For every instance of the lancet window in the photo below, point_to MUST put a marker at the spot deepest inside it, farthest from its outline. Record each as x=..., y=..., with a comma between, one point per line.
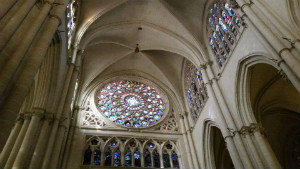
x=130, y=152
x=71, y=20
x=196, y=93
x=224, y=27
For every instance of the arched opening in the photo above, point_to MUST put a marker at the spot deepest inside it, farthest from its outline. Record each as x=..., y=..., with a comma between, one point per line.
x=275, y=104
x=220, y=153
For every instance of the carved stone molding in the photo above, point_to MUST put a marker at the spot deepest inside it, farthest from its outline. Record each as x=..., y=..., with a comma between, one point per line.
x=255, y=127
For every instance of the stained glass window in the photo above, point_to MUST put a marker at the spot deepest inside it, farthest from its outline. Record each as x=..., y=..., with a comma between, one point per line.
x=166, y=160
x=130, y=152
x=117, y=158
x=131, y=104
x=128, y=158
x=87, y=156
x=147, y=159
x=137, y=159
x=71, y=19
x=108, y=157
x=195, y=90
x=224, y=27
x=175, y=160
x=156, y=159
x=97, y=157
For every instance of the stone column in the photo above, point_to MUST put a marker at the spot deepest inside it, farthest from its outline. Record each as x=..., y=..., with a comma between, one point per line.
x=142, y=159
x=10, y=142
x=34, y=61
x=9, y=29
x=70, y=138
x=27, y=141
x=245, y=131
x=102, y=158
x=41, y=143
x=67, y=92
x=282, y=27
x=15, y=150
x=57, y=149
x=171, y=161
x=161, y=161
x=226, y=134
x=291, y=76
x=152, y=161
x=123, y=158
x=265, y=147
x=276, y=43
x=10, y=67
x=187, y=146
x=190, y=140
x=66, y=110
x=5, y=5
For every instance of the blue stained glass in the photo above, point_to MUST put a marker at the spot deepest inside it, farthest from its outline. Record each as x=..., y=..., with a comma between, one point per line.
x=136, y=124
x=117, y=159
x=144, y=123
x=114, y=144
x=128, y=124
x=223, y=26
x=97, y=157
x=128, y=158
x=137, y=159
x=156, y=159
x=215, y=36
x=112, y=118
x=137, y=155
x=150, y=145
x=219, y=32
x=190, y=97
x=175, y=160
x=119, y=121
x=156, y=117
x=132, y=101
x=108, y=158
x=229, y=10
x=166, y=160
x=210, y=22
x=147, y=159
x=160, y=112
x=151, y=121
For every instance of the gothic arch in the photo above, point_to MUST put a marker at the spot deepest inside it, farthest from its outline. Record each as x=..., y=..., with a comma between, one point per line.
x=265, y=96
x=294, y=11
x=215, y=152
x=245, y=112
x=172, y=97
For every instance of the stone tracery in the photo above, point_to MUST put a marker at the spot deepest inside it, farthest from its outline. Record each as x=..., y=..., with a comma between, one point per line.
x=224, y=27
x=130, y=152
x=131, y=103
x=195, y=90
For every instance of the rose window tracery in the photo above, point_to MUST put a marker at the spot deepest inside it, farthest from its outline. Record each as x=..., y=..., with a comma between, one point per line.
x=131, y=103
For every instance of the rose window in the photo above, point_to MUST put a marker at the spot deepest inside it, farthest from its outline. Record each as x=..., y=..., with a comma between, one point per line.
x=131, y=103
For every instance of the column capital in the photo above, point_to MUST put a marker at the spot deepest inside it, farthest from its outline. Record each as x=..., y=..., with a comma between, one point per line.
x=245, y=130
x=254, y=127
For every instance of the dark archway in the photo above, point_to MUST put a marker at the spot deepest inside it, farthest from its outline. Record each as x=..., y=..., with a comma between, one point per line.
x=220, y=153
x=276, y=106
